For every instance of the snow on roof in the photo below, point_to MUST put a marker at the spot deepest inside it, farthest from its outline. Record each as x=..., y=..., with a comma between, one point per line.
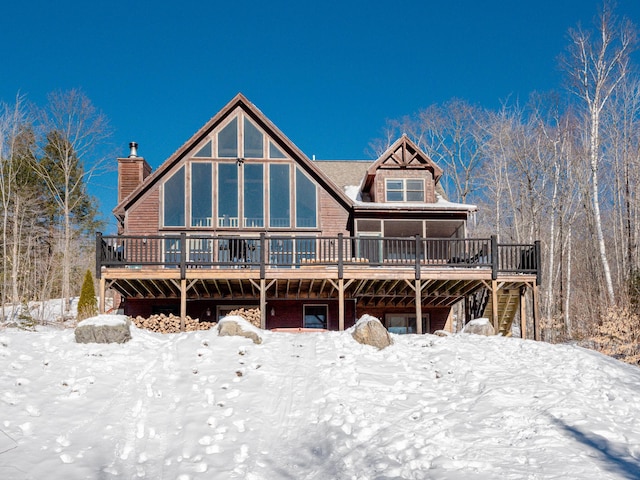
x=439, y=204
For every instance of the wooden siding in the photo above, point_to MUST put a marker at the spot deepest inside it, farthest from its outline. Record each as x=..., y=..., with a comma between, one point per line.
x=143, y=218
x=333, y=217
x=287, y=313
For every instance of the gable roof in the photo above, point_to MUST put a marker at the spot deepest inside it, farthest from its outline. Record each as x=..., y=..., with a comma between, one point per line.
x=239, y=101
x=344, y=173
x=403, y=154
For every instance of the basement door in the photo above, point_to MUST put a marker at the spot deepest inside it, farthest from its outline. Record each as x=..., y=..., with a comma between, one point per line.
x=315, y=316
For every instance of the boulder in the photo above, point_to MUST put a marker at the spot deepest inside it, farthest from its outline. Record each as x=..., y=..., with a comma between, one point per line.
x=234, y=325
x=104, y=329
x=442, y=333
x=479, y=326
x=370, y=331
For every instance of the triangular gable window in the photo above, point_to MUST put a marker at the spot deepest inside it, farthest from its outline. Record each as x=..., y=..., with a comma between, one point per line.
x=274, y=152
x=253, y=140
x=228, y=140
x=204, y=152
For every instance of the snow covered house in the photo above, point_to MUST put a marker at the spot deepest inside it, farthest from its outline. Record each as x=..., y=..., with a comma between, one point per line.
x=240, y=217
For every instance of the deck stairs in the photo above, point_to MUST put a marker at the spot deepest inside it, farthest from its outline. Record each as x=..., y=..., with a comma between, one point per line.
x=508, y=305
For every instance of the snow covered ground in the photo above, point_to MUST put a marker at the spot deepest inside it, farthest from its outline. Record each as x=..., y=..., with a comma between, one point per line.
x=313, y=406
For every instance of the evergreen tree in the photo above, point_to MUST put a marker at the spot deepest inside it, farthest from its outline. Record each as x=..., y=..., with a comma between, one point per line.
x=87, y=304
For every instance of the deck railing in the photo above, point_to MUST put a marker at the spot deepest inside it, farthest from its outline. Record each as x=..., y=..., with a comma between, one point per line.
x=278, y=251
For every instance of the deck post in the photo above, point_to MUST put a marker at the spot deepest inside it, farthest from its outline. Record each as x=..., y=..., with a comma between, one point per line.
x=418, y=306
x=495, y=261
x=417, y=258
x=523, y=313
x=494, y=305
x=183, y=303
x=263, y=253
x=263, y=304
x=538, y=252
x=98, y=255
x=341, y=304
x=183, y=256
x=340, y=256
x=103, y=282
x=536, y=329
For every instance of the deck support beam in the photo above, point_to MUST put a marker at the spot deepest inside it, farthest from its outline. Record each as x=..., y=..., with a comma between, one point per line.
x=183, y=304
x=341, y=304
x=523, y=313
x=494, y=306
x=263, y=304
x=536, y=330
x=418, y=289
x=103, y=283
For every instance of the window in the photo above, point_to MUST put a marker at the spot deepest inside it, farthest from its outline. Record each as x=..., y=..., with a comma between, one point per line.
x=274, y=152
x=201, y=194
x=252, y=140
x=315, y=316
x=305, y=201
x=228, y=140
x=404, y=190
x=173, y=201
x=205, y=151
x=405, y=323
x=253, y=195
x=279, y=209
x=227, y=195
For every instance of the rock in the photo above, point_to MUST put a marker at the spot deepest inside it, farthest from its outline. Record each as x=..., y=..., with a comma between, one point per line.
x=233, y=325
x=479, y=326
x=104, y=329
x=370, y=331
x=442, y=333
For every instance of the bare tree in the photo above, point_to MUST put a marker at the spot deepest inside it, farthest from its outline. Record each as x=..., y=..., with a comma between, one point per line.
x=596, y=67
x=11, y=121
x=74, y=130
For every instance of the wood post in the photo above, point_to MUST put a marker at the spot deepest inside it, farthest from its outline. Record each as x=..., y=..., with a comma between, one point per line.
x=341, y=304
x=523, y=313
x=183, y=304
x=494, y=305
x=536, y=329
x=103, y=288
x=418, y=289
x=263, y=304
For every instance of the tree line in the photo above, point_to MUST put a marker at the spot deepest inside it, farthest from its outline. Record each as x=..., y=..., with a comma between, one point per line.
x=562, y=167
x=48, y=156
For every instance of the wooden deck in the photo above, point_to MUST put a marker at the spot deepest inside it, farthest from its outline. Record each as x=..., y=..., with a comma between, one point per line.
x=394, y=272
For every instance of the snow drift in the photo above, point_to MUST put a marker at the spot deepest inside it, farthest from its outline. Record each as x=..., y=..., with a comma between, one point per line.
x=313, y=406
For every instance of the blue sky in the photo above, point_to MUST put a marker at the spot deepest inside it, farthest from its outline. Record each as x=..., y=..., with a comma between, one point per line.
x=328, y=74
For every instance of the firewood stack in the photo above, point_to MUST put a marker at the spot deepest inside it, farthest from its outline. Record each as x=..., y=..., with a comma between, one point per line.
x=170, y=323
x=251, y=315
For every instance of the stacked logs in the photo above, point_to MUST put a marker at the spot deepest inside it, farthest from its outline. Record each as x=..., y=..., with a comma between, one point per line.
x=170, y=323
x=251, y=315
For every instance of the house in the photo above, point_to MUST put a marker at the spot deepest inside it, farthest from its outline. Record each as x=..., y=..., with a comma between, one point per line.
x=240, y=217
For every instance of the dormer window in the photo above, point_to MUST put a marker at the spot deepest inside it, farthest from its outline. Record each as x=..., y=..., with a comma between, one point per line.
x=404, y=190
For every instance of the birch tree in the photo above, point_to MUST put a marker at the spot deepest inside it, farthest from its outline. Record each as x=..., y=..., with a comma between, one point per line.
x=74, y=132
x=596, y=65
x=12, y=119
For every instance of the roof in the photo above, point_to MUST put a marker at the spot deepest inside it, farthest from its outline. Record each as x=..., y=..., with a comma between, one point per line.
x=344, y=173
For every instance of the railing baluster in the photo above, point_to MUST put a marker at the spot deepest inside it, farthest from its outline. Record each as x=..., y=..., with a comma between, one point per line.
x=171, y=251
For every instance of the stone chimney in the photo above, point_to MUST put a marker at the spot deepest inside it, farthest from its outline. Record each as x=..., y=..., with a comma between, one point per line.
x=131, y=172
